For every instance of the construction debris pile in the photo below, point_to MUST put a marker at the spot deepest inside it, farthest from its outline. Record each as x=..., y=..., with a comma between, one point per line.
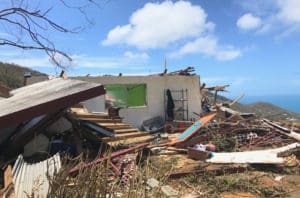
x=51, y=145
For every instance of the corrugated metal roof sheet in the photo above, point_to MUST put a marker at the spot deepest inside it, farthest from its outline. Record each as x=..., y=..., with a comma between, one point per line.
x=31, y=179
x=44, y=98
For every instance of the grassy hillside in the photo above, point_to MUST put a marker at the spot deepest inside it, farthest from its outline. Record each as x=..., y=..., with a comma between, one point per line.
x=11, y=75
x=263, y=109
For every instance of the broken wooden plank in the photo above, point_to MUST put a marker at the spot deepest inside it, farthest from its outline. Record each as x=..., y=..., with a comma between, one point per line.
x=110, y=156
x=283, y=130
x=236, y=100
x=124, y=136
x=128, y=130
x=8, y=177
x=102, y=120
x=193, y=129
x=132, y=141
x=90, y=115
x=268, y=156
x=63, y=74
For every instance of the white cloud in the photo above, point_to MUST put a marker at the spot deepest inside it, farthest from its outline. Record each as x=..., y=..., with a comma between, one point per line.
x=131, y=61
x=157, y=25
x=30, y=61
x=132, y=55
x=289, y=11
x=281, y=17
x=9, y=53
x=208, y=46
x=248, y=22
x=5, y=35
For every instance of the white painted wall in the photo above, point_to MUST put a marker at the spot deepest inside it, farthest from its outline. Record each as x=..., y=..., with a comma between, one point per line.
x=155, y=94
x=96, y=104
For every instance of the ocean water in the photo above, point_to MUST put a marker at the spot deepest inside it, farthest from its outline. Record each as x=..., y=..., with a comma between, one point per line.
x=289, y=102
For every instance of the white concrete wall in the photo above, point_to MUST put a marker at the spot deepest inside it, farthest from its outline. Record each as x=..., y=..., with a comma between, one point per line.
x=96, y=104
x=155, y=94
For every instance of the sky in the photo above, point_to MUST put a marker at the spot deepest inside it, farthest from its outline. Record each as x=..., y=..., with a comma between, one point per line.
x=252, y=45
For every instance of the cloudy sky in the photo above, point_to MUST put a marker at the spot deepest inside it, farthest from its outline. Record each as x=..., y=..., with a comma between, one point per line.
x=253, y=45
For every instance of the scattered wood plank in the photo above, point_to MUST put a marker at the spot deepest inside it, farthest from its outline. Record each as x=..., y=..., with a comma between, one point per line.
x=268, y=156
x=118, y=131
x=193, y=129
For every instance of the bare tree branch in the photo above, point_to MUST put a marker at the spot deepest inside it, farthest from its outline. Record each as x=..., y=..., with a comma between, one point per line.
x=32, y=24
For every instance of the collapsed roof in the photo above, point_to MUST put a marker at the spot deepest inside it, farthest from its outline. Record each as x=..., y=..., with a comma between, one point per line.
x=43, y=98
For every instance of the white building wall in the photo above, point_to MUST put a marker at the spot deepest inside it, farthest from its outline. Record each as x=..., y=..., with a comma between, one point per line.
x=155, y=95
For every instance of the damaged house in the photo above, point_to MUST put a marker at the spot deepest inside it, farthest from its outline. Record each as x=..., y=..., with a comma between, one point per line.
x=145, y=97
x=43, y=121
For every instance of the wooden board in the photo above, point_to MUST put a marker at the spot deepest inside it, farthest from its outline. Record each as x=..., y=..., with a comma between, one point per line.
x=131, y=141
x=124, y=136
x=126, y=130
x=193, y=129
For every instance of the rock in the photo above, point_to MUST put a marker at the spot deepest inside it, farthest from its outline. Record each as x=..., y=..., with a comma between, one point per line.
x=153, y=183
x=168, y=191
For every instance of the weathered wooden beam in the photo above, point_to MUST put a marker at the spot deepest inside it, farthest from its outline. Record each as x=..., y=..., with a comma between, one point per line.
x=236, y=100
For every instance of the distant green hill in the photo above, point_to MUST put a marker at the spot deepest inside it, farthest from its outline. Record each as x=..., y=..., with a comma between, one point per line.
x=11, y=75
x=262, y=109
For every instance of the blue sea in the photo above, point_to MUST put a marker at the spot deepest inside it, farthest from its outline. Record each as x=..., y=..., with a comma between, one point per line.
x=289, y=102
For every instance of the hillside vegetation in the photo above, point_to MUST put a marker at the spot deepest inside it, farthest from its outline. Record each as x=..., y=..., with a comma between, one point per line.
x=11, y=75
x=262, y=109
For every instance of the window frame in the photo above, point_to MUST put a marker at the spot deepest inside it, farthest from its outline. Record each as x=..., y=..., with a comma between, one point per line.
x=126, y=93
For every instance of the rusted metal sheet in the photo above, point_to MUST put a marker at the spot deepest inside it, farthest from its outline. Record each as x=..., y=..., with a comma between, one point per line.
x=44, y=98
x=32, y=180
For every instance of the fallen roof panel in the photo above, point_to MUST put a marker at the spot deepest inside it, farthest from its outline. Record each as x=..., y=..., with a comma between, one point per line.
x=255, y=157
x=45, y=97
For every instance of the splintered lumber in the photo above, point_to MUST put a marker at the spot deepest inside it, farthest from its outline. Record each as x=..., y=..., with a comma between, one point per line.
x=121, y=124
x=268, y=156
x=236, y=100
x=236, y=113
x=63, y=74
x=126, y=130
x=132, y=141
x=216, y=170
x=193, y=129
x=90, y=115
x=101, y=120
x=123, y=136
x=283, y=130
x=8, y=177
x=118, y=127
x=123, y=133
x=231, y=111
x=110, y=156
